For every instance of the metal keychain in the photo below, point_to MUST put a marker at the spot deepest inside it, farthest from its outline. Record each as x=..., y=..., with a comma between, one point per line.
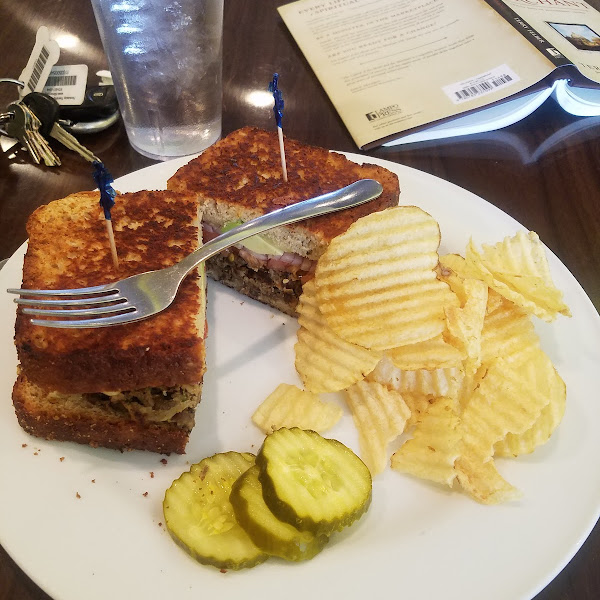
x=46, y=109
x=17, y=128
x=24, y=126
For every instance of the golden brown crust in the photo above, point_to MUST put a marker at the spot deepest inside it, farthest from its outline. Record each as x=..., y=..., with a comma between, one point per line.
x=244, y=169
x=68, y=248
x=109, y=429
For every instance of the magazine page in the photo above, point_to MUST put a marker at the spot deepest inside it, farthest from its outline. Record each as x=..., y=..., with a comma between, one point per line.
x=392, y=65
x=571, y=26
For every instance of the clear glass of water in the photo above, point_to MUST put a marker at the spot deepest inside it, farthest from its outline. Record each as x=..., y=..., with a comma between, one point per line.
x=165, y=58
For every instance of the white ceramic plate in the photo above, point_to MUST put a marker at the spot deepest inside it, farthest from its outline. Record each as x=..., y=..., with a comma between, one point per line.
x=417, y=540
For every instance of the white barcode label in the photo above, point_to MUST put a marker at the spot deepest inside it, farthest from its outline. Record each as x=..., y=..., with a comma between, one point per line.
x=43, y=57
x=38, y=68
x=60, y=80
x=481, y=85
x=66, y=84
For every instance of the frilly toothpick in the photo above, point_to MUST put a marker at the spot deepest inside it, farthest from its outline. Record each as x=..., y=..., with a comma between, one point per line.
x=107, y=200
x=278, y=111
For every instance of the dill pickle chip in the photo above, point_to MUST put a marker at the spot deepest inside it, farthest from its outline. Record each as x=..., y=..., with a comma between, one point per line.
x=271, y=535
x=200, y=518
x=316, y=484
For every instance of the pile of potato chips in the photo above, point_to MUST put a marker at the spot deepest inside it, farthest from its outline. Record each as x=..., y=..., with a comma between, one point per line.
x=441, y=349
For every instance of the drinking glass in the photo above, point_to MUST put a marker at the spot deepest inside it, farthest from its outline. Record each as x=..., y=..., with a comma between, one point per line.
x=165, y=58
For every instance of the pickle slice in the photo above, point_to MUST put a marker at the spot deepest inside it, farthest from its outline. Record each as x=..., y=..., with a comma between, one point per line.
x=269, y=533
x=316, y=484
x=200, y=518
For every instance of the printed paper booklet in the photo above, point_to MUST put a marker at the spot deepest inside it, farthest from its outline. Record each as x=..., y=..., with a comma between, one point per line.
x=401, y=71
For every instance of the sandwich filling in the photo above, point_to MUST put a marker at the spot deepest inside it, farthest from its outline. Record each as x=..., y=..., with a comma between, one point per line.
x=149, y=405
x=274, y=279
x=289, y=262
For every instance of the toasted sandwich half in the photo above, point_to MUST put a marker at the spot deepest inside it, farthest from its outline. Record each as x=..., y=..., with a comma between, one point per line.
x=240, y=178
x=133, y=386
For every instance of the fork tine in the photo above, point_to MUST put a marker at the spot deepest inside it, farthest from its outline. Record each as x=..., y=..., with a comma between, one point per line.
x=128, y=317
x=81, y=312
x=97, y=289
x=68, y=302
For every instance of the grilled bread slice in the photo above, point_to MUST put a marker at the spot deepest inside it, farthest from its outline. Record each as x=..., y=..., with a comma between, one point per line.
x=240, y=178
x=125, y=386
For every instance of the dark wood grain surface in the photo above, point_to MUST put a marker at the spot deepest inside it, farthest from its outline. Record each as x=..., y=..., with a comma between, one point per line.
x=557, y=194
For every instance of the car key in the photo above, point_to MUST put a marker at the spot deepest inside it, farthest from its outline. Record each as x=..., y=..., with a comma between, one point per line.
x=24, y=127
x=16, y=128
x=71, y=142
x=46, y=109
x=37, y=140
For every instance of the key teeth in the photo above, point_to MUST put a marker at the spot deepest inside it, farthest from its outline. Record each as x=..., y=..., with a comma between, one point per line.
x=70, y=141
x=25, y=127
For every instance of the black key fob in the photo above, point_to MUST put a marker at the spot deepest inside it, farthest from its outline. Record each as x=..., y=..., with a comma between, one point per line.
x=100, y=101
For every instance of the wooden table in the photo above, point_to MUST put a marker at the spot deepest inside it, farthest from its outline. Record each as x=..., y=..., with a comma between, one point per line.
x=558, y=195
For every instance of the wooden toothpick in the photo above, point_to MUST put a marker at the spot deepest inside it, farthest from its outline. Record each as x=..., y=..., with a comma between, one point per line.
x=111, y=241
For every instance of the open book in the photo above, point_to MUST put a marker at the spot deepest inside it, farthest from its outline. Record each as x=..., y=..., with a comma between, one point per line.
x=401, y=71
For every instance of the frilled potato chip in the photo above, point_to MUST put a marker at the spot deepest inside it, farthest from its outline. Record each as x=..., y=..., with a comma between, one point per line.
x=509, y=399
x=377, y=285
x=494, y=302
x=452, y=269
x=289, y=406
x=418, y=404
x=324, y=361
x=437, y=382
x=507, y=332
x=465, y=324
x=434, y=447
x=549, y=419
x=482, y=481
x=431, y=354
x=380, y=416
x=517, y=268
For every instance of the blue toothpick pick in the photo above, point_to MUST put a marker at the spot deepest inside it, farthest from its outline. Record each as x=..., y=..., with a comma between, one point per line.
x=103, y=180
x=278, y=111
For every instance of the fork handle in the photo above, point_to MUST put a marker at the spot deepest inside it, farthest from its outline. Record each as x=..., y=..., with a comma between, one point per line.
x=354, y=194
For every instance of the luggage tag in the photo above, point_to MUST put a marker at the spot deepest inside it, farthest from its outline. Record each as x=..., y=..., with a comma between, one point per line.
x=43, y=57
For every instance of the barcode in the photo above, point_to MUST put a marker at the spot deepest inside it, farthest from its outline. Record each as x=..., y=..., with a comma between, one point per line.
x=40, y=63
x=483, y=87
x=61, y=80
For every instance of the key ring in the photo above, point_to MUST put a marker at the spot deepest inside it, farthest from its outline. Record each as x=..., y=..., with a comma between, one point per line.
x=5, y=117
x=11, y=80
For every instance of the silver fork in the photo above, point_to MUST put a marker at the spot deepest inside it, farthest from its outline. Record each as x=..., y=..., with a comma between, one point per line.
x=141, y=296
